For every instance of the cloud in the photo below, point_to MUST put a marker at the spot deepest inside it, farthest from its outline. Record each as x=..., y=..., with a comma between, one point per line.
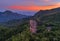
x=57, y=3
x=34, y=8
x=46, y=0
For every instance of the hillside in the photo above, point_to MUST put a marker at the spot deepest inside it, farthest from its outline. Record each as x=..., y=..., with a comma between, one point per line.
x=46, y=12
x=9, y=15
x=22, y=32
x=54, y=17
x=15, y=22
x=48, y=16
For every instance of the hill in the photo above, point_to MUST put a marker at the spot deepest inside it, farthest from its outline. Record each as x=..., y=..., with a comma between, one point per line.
x=9, y=15
x=48, y=16
x=22, y=33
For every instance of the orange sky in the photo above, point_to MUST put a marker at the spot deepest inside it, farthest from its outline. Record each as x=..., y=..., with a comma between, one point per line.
x=34, y=7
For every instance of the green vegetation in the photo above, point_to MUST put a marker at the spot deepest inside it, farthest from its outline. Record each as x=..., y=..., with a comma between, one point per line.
x=22, y=33
x=7, y=33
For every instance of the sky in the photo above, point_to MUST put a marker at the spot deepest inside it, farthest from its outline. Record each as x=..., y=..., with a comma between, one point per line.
x=29, y=5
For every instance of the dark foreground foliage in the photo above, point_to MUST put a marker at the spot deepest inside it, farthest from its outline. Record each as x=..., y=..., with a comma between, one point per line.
x=22, y=33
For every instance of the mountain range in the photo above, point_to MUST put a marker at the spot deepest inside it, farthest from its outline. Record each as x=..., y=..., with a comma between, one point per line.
x=10, y=18
x=9, y=15
x=15, y=27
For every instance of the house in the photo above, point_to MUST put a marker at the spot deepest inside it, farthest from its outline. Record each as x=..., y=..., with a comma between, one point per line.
x=49, y=27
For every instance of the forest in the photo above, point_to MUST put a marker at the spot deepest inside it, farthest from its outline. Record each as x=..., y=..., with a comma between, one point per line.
x=48, y=28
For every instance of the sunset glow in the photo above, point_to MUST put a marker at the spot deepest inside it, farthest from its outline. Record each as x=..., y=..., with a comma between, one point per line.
x=31, y=5
x=34, y=8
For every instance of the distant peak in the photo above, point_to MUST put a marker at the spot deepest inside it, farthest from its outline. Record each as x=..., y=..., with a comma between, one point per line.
x=7, y=11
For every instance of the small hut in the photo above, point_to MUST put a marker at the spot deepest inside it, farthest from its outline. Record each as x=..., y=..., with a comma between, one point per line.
x=33, y=25
x=49, y=27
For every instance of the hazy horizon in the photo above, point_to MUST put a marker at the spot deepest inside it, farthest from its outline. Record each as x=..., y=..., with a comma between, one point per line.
x=31, y=6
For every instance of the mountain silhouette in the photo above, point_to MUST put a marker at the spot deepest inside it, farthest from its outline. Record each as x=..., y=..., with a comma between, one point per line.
x=48, y=16
x=46, y=12
x=10, y=18
x=48, y=26
x=9, y=15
